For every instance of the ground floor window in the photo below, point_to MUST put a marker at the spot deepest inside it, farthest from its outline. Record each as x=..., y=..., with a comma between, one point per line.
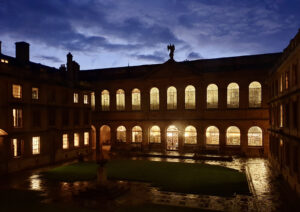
x=86, y=138
x=233, y=136
x=137, y=134
x=17, y=147
x=255, y=136
x=65, y=139
x=190, y=135
x=76, y=139
x=36, y=146
x=155, y=134
x=212, y=135
x=121, y=134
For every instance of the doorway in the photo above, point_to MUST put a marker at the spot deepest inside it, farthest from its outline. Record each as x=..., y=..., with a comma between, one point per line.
x=172, y=138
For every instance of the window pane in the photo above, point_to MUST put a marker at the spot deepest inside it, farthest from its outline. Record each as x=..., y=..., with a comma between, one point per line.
x=17, y=118
x=35, y=145
x=212, y=135
x=137, y=134
x=17, y=91
x=121, y=134
x=105, y=100
x=155, y=134
x=190, y=135
x=86, y=138
x=233, y=95
x=171, y=98
x=65, y=141
x=136, y=99
x=120, y=97
x=190, y=97
x=212, y=96
x=233, y=136
x=255, y=136
x=154, y=99
x=35, y=93
x=86, y=99
x=255, y=94
x=76, y=139
x=75, y=97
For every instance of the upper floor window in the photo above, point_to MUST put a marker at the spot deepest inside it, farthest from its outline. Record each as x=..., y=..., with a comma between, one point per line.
x=136, y=99
x=93, y=101
x=17, y=91
x=281, y=83
x=190, y=135
x=76, y=139
x=105, y=100
x=137, y=134
x=154, y=99
x=76, y=98
x=120, y=97
x=121, y=134
x=281, y=116
x=155, y=134
x=36, y=146
x=85, y=99
x=255, y=94
x=255, y=136
x=190, y=97
x=35, y=93
x=65, y=140
x=17, y=118
x=86, y=138
x=171, y=98
x=212, y=96
x=287, y=80
x=233, y=95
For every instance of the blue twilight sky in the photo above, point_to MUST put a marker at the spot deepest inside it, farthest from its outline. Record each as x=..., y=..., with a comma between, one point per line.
x=111, y=33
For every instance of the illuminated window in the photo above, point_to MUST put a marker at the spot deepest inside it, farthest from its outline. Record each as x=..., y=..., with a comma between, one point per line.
x=281, y=83
x=85, y=99
x=105, y=100
x=36, y=146
x=4, y=61
x=35, y=93
x=93, y=101
x=154, y=99
x=212, y=96
x=17, y=118
x=136, y=99
x=254, y=94
x=86, y=138
x=76, y=139
x=287, y=80
x=155, y=134
x=190, y=97
x=255, y=136
x=212, y=135
x=65, y=139
x=120, y=97
x=137, y=134
x=233, y=95
x=190, y=135
x=281, y=116
x=171, y=98
x=233, y=136
x=16, y=146
x=76, y=97
x=17, y=91
x=121, y=134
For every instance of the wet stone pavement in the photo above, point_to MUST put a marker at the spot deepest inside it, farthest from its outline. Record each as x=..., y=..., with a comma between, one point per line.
x=269, y=193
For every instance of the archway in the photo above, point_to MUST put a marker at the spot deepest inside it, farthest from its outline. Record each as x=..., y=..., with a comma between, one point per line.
x=172, y=138
x=105, y=135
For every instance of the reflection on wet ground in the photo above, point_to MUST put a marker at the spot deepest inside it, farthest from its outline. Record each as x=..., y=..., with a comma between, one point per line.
x=269, y=192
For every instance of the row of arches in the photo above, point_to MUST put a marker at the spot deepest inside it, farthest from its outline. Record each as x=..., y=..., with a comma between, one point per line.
x=190, y=97
x=212, y=135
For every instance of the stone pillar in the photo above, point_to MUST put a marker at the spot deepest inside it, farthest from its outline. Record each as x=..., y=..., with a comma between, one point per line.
x=180, y=140
x=201, y=139
x=163, y=136
x=180, y=98
x=222, y=140
x=145, y=141
x=112, y=96
x=128, y=104
x=244, y=97
x=244, y=141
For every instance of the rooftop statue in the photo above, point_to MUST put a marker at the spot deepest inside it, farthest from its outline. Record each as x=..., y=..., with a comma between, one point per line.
x=171, y=48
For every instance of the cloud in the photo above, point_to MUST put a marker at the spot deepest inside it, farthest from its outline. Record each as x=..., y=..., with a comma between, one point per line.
x=154, y=57
x=50, y=58
x=194, y=55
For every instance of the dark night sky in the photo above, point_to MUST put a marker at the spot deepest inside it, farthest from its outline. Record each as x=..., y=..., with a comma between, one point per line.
x=110, y=33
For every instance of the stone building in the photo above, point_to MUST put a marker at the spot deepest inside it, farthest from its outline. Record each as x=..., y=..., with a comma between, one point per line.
x=284, y=114
x=246, y=105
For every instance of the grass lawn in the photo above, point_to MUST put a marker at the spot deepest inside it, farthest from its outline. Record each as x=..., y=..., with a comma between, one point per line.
x=29, y=201
x=74, y=172
x=159, y=208
x=181, y=177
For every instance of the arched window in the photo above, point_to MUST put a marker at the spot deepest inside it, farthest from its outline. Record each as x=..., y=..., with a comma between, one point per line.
x=120, y=97
x=136, y=99
x=190, y=135
x=212, y=96
x=105, y=100
x=137, y=134
x=121, y=134
x=233, y=136
x=255, y=136
x=233, y=95
x=171, y=98
x=255, y=94
x=155, y=134
x=154, y=99
x=212, y=135
x=190, y=97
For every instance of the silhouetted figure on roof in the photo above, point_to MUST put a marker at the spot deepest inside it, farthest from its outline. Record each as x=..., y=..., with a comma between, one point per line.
x=171, y=48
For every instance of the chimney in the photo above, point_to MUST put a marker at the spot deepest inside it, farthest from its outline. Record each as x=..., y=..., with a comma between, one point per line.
x=22, y=51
